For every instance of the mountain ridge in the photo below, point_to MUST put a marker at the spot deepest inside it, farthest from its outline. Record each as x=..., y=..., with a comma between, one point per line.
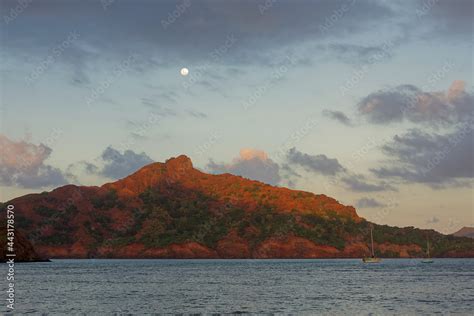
x=465, y=232
x=180, y=170
x=172, y=210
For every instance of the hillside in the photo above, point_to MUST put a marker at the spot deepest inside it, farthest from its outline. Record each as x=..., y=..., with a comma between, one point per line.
x=465, y=232
x=171, y=210
x=24, y=251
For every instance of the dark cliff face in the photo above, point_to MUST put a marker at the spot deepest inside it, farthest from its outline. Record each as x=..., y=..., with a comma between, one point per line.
x=171, y=210
x=23, y=249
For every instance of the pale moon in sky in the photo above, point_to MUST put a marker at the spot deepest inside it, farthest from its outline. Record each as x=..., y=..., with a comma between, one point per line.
x=184, y=71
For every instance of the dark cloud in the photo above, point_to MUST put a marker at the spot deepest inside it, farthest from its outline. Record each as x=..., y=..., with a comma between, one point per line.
x=23, y=164
x=448, y=19
x=167, y=32
x=286, y=168
x=338, y=116
x=90, y=168
x=44, y=176
x=119, y=165
x=407, y=102
x=252, y=164
x=315, y=163
x=433, y=159
x=331, y=167
x=359, y=183
x=369, y=203
x=436, y=159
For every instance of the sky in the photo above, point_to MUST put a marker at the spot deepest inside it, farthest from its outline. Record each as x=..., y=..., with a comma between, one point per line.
x=370, y=102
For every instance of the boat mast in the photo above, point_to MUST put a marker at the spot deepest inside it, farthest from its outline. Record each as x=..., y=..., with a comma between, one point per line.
x=372, y=241
x=428, y=247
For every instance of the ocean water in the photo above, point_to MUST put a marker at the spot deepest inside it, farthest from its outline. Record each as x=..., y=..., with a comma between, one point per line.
x=104, y=287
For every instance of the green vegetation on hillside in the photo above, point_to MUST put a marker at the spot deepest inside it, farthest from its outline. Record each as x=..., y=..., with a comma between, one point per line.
x=439, y=244
x=168, y=214
x=181, y=216
x=110, y=200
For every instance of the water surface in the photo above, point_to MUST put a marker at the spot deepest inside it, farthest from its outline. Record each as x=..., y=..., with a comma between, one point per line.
x=102, y=287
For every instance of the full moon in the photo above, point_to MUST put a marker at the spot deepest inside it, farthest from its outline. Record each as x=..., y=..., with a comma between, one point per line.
x=184, y=71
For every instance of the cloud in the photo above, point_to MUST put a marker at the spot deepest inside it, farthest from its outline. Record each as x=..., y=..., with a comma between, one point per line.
x=158, y=109
x=165, y=32
x=338, y=116
x=449, y=19
x=436, y=159
x=369, y=203
x=82, y=167
x=289, y=175
x=90, y=168
x=249, y=154
x=163, y=112
x=119, y=165
x=358, y=54
x=433, y=159
x=169, y=97
x=332, y=168
x=252, y=164
x=23, y=164
x=407, y=102
x=359, y=183
x=315, y=163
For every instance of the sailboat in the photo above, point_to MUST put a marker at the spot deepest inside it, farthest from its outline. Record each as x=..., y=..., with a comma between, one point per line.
x=428, y=257
x=373, y=258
